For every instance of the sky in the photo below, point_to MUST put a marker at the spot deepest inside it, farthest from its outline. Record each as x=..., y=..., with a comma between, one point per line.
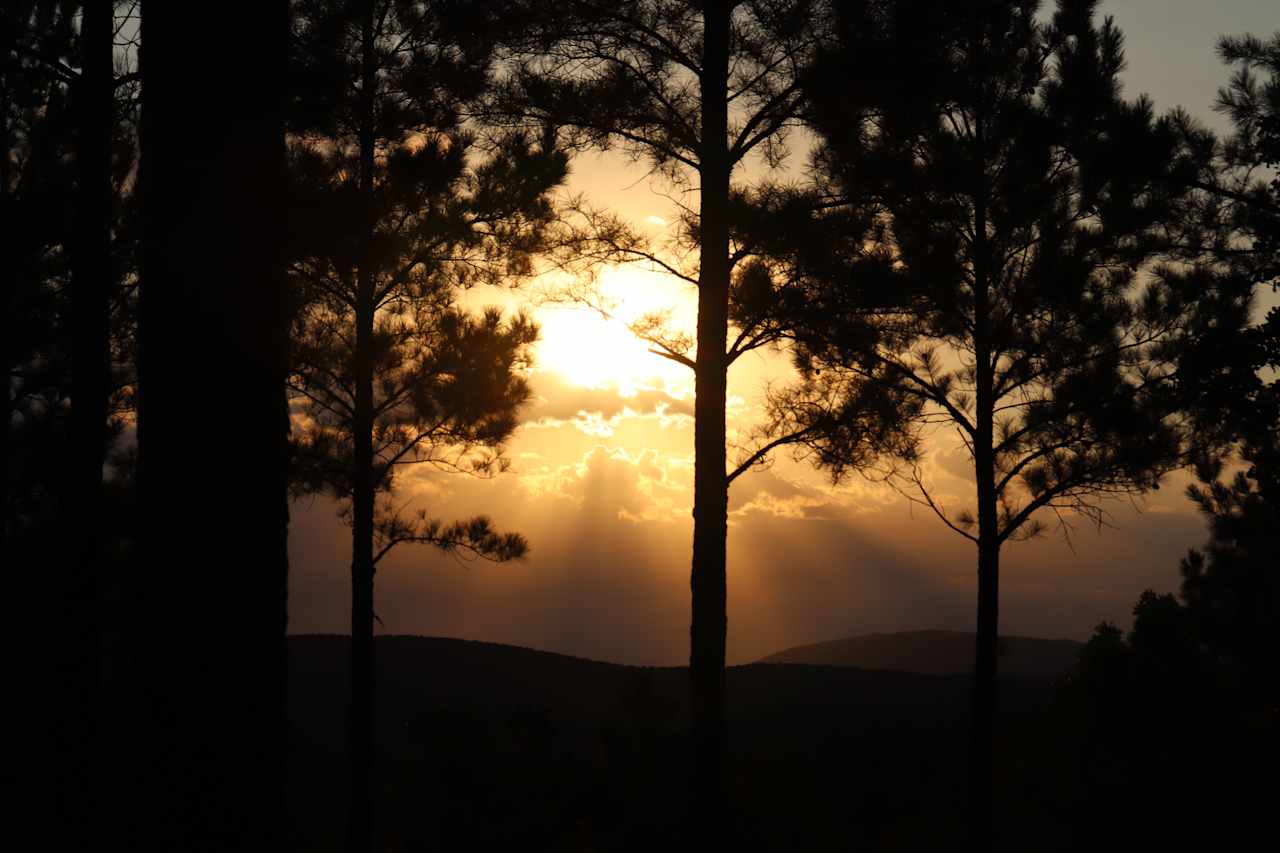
x=602, y=470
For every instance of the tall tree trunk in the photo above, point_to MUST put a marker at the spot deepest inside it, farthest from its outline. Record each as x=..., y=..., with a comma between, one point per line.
x=6, y=441
x=91, y=285
x=982, y=724
x=360, y=713
x=208, y=637
x=710, y=497
x=982, y=733
x=8, y=317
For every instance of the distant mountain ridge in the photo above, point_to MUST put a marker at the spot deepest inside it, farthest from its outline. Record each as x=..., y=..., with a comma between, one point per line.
x=935, y=653
x=417, y=676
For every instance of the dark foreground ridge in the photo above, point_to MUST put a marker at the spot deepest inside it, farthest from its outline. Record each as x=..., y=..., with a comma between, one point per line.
x=513, y=746
x=935, y=653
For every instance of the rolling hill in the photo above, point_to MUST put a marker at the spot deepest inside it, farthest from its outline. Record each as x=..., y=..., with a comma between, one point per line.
x=935, y=653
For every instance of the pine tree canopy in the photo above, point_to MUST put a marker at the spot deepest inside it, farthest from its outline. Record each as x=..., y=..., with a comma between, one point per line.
x=981, y=240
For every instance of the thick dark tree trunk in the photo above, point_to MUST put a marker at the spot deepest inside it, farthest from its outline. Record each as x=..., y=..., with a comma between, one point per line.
x=208, y=634
x=80, y=709
x=710, y=499
x=360, y=710
x=982, y=732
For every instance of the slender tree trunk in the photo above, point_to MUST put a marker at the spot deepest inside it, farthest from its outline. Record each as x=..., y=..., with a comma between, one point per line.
x=91, y=285
x=360, y=720
x=6, y=445
x=710, y=499
x=982, y=742
x=207, y=642
x=9, y=307
x=982, y=731
x=360, y=716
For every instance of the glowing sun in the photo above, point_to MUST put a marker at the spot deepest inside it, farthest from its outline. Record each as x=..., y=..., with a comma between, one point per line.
x=594, y=351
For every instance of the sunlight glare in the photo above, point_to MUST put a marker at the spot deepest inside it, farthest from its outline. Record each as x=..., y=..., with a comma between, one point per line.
x=593, y=351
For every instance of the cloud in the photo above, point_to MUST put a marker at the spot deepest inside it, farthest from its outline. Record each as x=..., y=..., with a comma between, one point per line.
x=765, y=491
x=599, y=411
x=611, y=482
x=955, y=461
x=768, y=481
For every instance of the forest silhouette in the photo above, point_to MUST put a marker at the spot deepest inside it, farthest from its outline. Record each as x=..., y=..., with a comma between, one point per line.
x=237, y=261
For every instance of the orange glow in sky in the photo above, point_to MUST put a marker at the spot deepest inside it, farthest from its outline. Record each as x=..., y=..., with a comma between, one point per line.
x=601, y=477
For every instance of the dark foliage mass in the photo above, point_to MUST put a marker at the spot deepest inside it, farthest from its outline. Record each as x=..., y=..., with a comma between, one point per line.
x=1190, y=692
x=517, y=748
x=40, y=177
x=235, y=275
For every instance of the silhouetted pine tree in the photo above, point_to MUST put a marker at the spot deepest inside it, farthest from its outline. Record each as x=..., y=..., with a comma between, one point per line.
x=1232, y=221
x=694, y=88
x=399, y=205
x=994, y=184
x=1235, y=215
x=68, y=149
x=207, y=644
x=1233, y=589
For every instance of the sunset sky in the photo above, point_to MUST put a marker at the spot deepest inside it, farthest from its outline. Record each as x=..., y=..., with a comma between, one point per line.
x=602, y=472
